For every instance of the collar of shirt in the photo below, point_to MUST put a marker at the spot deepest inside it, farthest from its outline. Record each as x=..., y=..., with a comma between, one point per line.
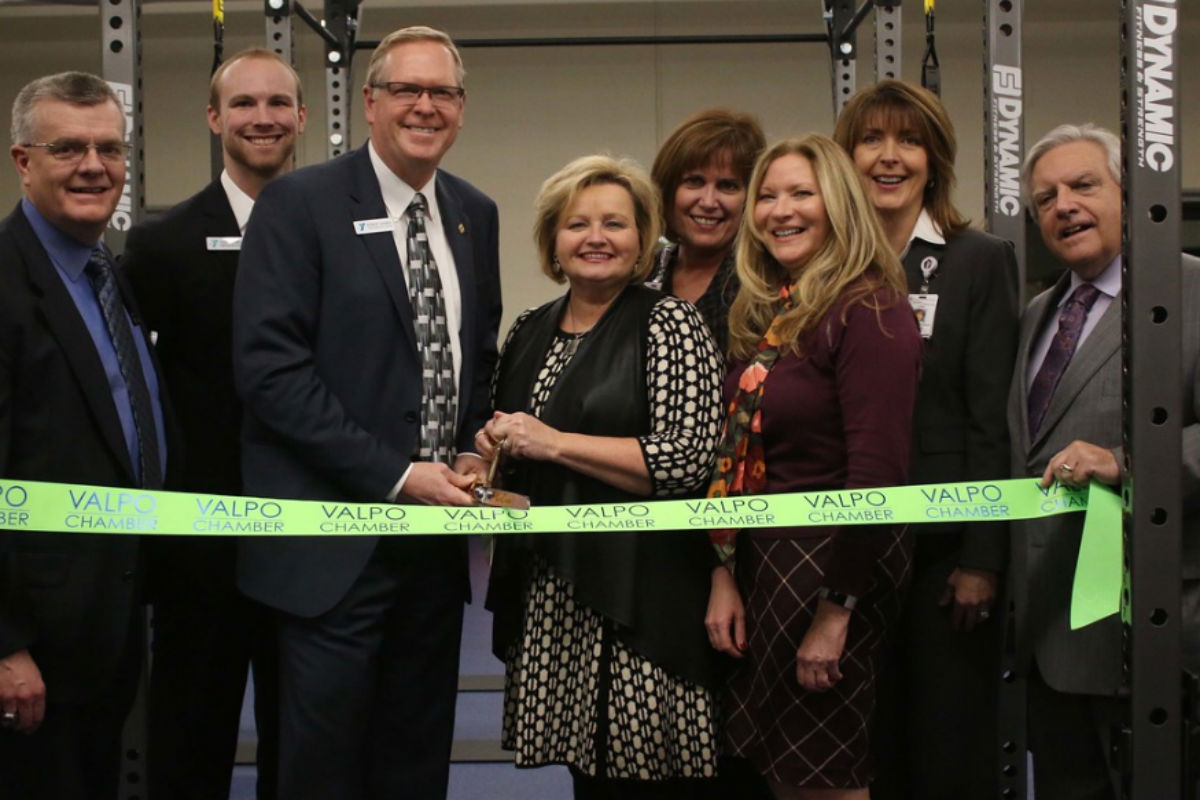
x=926, y=230
x=68, y=254
x=397, y=194
x=1109, y=282
x=241, y=203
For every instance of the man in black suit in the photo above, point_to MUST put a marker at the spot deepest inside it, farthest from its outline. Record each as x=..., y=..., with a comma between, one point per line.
x=79, y=403
x=182, y=267
x=335, y=364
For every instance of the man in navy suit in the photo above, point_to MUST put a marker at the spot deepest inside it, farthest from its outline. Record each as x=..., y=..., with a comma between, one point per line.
x=329, y=358
x=79, y=403
x=182, y=268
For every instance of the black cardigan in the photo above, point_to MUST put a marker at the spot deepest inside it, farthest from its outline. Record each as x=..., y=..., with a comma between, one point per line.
x=651, y=585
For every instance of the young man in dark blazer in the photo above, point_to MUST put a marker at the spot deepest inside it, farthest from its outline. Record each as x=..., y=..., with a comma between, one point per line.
x=1065, y=425
x=329, y=356
x=79, y=403
x=182, y=268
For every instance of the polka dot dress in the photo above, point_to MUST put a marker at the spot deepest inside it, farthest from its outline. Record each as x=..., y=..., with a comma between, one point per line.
x=574, y=693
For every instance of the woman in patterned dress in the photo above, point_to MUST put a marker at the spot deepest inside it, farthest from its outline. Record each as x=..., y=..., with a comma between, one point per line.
x=701, y=172
x=826, y=357
x=610, y=393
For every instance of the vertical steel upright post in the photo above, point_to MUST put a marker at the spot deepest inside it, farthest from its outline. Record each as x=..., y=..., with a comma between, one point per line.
x=888, y=36
x=121, y=43
x=1004, y=125
x=341, y=20
x=1004, y=147
x=1150, y=301
x=843, y=51
x=121, y=62
x=279, y=28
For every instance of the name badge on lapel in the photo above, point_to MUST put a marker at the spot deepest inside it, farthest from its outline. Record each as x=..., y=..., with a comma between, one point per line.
x=365, y=227
x=213, y=243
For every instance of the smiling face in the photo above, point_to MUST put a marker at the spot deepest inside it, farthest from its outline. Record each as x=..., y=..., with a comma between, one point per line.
x=894, y=166
x=411, y=137
x=597, y=242
x=708, y=207
x=77, y=198
x=789, y=213
x=258, y=117
x=1078, y=205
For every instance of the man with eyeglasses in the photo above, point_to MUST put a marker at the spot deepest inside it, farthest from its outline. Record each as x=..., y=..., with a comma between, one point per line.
x=365, y=318
x=182, y=267
x=79, y=403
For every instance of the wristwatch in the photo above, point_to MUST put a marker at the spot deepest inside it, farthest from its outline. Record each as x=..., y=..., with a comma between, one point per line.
x=846, y=601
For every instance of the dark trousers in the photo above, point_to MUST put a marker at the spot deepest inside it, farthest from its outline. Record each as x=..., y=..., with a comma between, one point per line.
x=76, y=752
x=205, y=636
x=1070, y=735
x=933, y=736
x=368, y=689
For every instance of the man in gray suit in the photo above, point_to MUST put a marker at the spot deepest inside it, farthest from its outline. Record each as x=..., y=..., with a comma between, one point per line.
x=1064, y=417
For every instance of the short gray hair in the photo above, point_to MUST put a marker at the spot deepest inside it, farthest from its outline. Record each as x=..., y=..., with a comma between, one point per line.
x=413, y=33
x=76, y=88
x=1066, y=134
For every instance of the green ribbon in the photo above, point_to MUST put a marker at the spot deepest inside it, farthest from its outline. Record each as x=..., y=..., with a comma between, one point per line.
x=69, y=508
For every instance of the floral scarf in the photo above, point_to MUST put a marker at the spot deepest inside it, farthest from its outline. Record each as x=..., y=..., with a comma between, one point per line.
x=741, y=468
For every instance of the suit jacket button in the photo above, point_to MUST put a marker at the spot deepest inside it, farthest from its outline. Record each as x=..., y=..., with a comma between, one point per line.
x=127, y=576
x=410, y=416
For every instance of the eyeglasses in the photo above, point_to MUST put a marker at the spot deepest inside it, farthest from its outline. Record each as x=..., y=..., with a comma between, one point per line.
x=70, y=151
x=410, y=93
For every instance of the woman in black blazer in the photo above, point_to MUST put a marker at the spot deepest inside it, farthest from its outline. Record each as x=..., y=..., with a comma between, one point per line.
x=935, y=720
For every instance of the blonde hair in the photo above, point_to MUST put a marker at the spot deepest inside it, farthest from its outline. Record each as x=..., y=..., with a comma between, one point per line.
x=853, y=263
x=560, y=190
x=414, y=33
x=259, y=53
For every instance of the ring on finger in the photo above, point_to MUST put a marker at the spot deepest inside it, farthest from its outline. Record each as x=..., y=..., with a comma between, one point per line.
x=1066, y=468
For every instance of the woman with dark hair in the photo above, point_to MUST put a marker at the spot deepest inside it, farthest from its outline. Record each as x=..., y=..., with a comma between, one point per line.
x=825, y=360
x=935, y=725
x=609, y=394
x=701, y=172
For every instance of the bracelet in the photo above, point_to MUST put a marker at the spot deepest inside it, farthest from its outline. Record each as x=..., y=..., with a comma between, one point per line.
x=846, y=601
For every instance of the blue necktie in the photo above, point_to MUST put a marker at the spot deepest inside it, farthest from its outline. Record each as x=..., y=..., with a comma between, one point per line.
x=99, y=271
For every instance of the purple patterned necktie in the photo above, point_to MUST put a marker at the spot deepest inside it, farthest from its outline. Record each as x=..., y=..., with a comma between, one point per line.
x=439, y=408
x=1062, y=347
x=99, y=271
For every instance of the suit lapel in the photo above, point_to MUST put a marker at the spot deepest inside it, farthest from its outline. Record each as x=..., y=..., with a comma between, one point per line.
x=366, y=202
x=458, y=237
x=219, y=219
x=68, y=328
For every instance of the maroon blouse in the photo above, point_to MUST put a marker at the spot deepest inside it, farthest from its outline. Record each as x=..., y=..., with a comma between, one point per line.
x=840, y=417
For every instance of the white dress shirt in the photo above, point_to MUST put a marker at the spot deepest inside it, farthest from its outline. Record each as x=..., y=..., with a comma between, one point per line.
x=241, y=203
x=926, y=230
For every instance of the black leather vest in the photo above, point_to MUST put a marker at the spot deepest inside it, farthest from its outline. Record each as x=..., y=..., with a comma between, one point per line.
x=652, y=585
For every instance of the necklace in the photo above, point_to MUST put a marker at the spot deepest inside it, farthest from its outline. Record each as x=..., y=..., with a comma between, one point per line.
x=574, y=338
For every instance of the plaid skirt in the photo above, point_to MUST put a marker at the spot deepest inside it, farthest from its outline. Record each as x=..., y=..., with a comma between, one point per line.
x=793, y=736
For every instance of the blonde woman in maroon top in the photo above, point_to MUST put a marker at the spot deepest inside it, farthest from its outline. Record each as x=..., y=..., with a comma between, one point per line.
x=826, y=359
